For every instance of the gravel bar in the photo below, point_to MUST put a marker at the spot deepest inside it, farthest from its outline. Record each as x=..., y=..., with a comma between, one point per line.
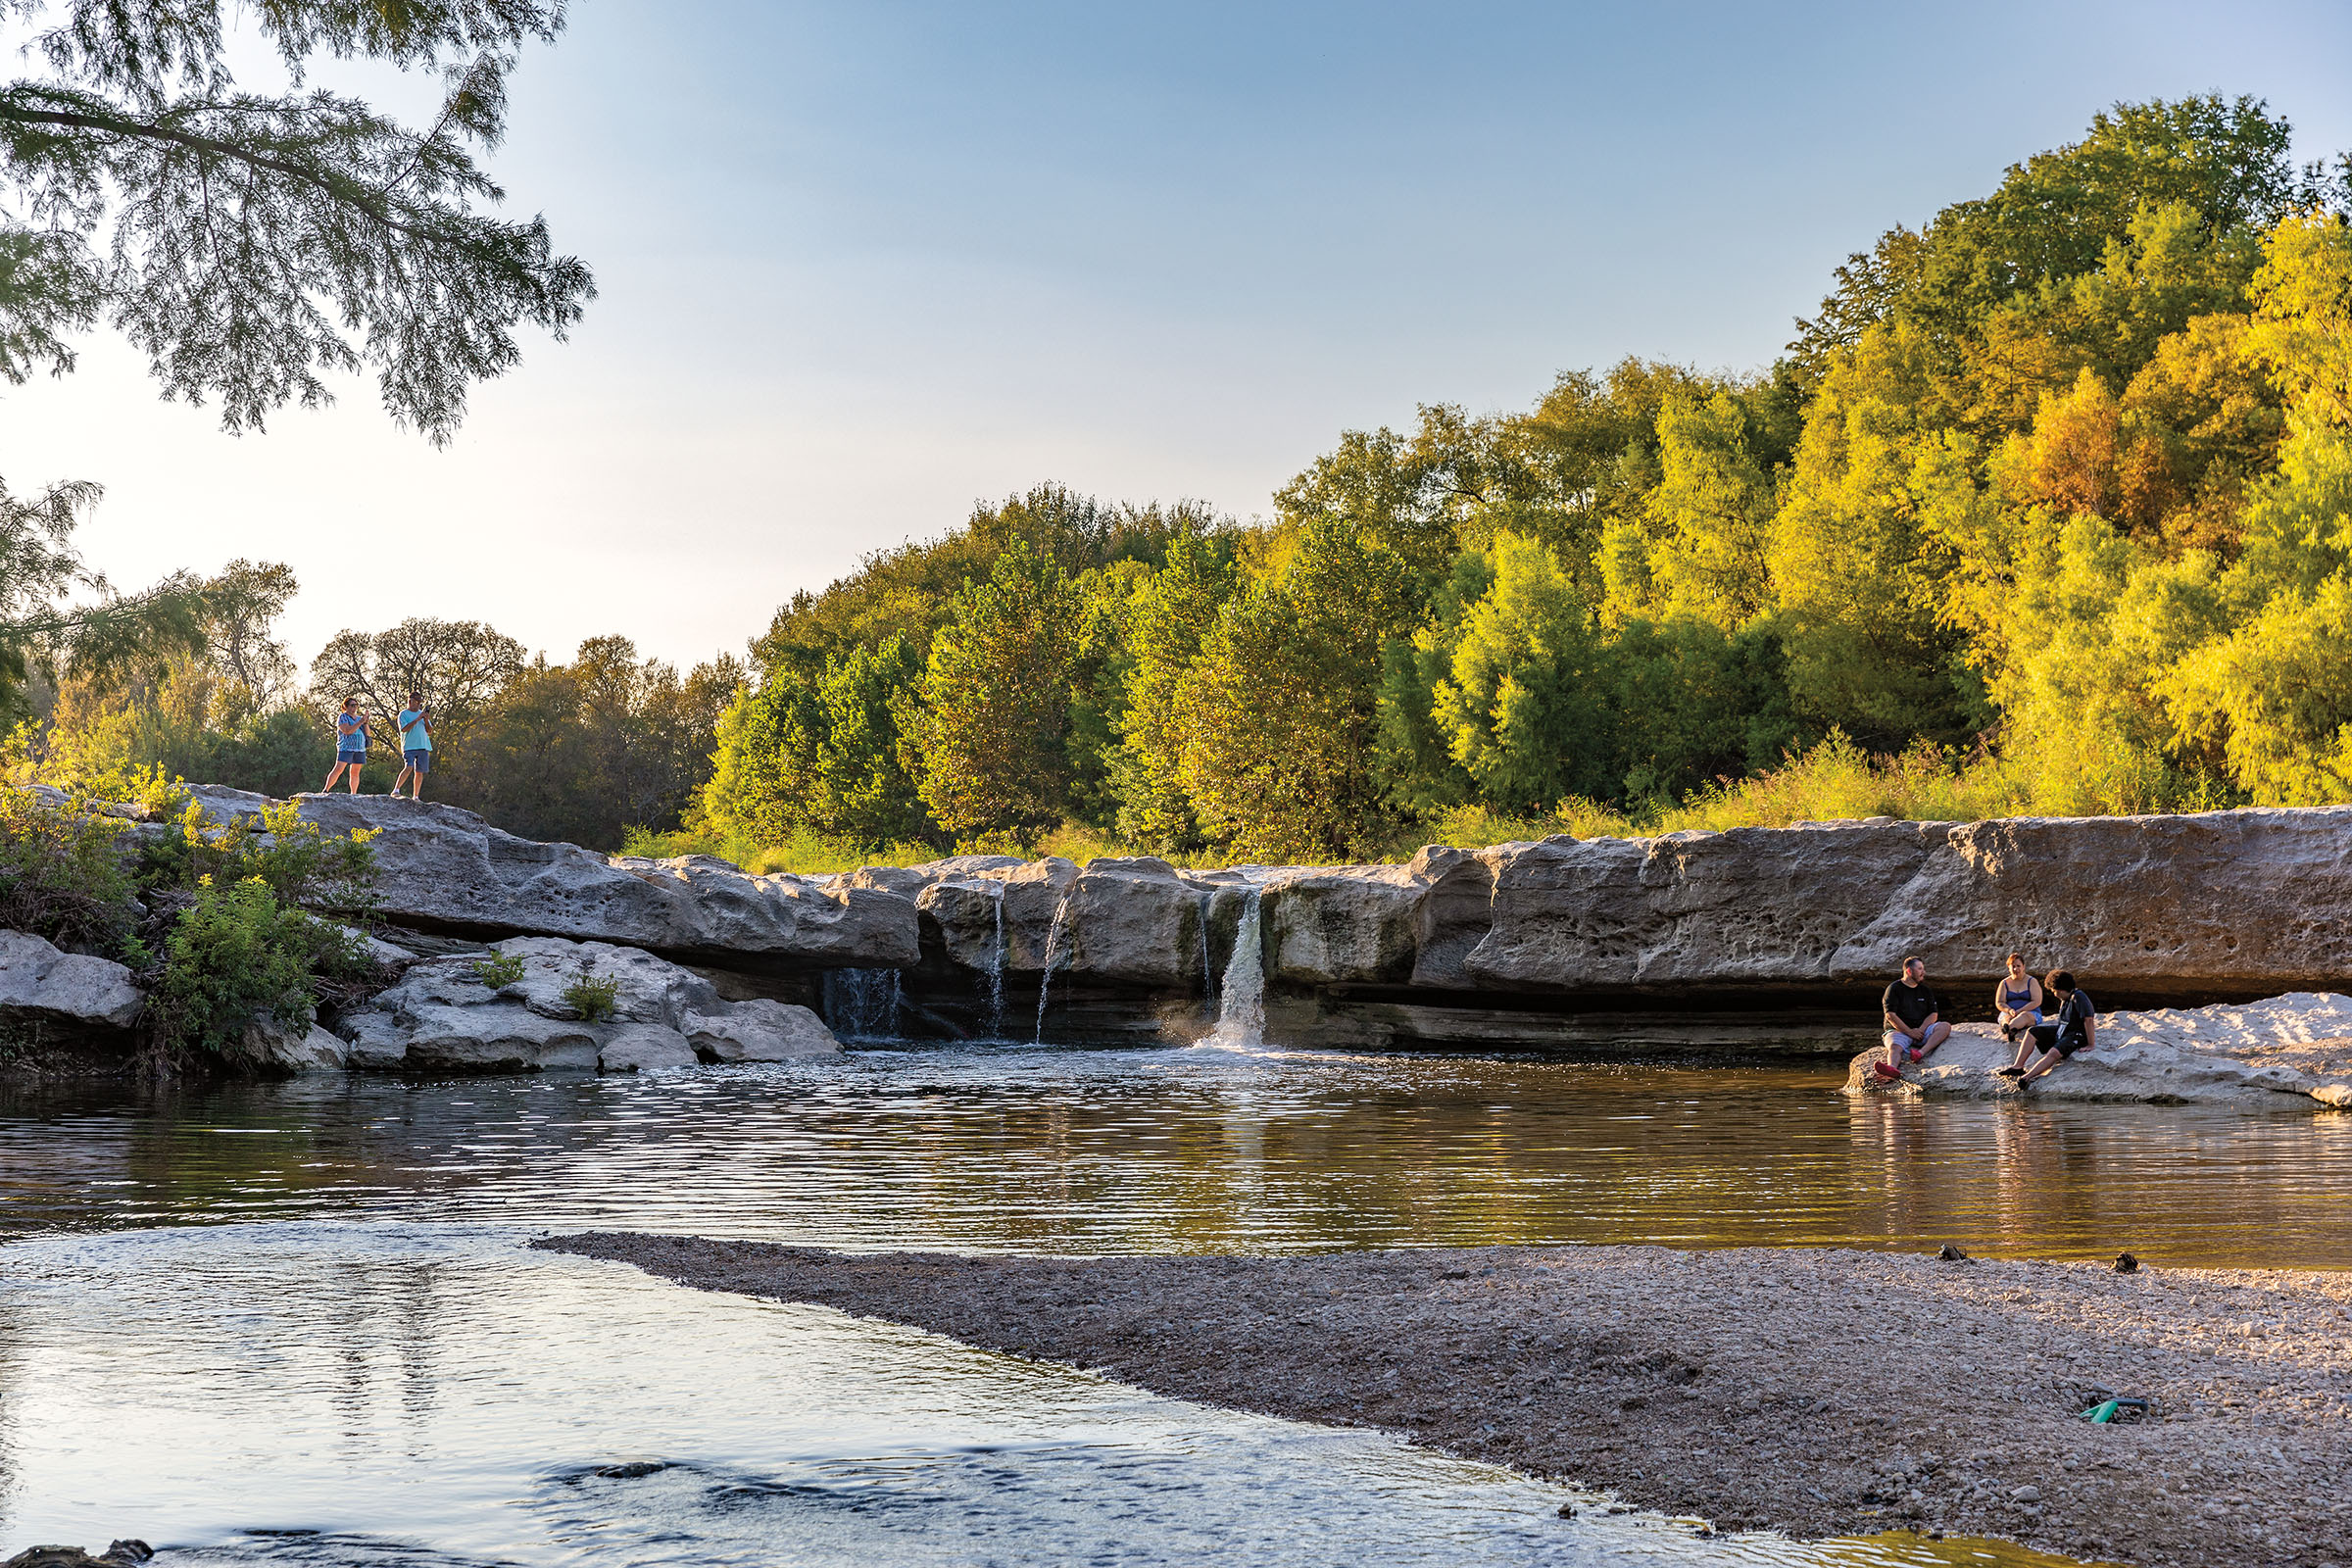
x=1812, y=1391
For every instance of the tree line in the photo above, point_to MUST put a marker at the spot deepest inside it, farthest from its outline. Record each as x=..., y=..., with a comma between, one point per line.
x=2047, y=504
x=2056, y=487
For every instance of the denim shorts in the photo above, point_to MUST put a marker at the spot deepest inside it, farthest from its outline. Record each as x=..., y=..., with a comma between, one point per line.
x=353, y=758
x=421, y=762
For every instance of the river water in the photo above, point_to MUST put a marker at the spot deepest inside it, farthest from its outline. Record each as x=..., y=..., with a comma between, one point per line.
x=295, y=1323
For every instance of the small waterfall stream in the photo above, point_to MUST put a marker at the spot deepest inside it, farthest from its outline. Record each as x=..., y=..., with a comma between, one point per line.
x=1242, y=1012
x=863, y=1003
x=996, y=972
x=1044, y=981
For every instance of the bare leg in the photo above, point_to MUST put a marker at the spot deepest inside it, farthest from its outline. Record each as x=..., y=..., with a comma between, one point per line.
x=2041, y=1066
x=334, y=774
x=401, y=779
x=1935, y=1036
x=417, y=789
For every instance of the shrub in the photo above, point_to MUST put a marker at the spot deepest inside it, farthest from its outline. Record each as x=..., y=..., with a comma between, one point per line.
x=298, y=862
x=498, y=971
x=62, y=876
x=592, y=996
x=236, y=956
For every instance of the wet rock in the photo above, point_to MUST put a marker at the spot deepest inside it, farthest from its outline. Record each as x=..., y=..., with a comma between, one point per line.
x=118, y=1554
x=37, y=981
x=443, y=1014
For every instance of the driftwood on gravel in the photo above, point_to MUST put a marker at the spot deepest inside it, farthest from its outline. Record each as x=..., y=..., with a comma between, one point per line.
x=1816, y=1392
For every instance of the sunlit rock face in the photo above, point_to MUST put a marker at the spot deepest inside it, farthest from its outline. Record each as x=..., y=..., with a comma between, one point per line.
x=2286, y=1053
x=1534, y=940
x=445, y=869
x=460, y=1013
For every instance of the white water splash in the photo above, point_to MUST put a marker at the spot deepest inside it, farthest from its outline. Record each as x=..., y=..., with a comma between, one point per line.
x=1242, y=1012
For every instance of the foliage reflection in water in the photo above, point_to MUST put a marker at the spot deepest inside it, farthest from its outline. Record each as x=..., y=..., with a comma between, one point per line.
x=1206, y=1150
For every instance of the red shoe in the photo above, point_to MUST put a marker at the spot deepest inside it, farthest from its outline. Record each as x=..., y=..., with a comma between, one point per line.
x=1887, y=1074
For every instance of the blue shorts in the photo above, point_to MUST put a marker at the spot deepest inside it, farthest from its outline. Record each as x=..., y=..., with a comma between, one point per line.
x=353, y=758
x=421, y=762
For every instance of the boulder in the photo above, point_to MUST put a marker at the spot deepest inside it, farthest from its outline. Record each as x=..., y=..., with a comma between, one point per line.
x=443, y=1014
x=274, y=1045
x=38, y=982
x=2289, y=1053
x=444, y=869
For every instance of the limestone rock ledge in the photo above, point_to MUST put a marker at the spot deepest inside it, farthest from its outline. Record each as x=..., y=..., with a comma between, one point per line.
x=38, y=982
x=2289, y=1053
x=441, y=1015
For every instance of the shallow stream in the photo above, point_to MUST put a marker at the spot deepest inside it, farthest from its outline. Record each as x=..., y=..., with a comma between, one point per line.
x=294, y=1323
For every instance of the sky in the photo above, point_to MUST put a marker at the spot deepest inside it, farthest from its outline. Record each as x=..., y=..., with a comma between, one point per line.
x=864, y=264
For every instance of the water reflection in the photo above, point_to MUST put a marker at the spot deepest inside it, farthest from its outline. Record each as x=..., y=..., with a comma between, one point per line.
x=304, y=1392
x=1200, y=1149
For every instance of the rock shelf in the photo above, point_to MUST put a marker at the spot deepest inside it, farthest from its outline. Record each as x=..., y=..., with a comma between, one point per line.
x=2290, y=1052
x=1810, y=1391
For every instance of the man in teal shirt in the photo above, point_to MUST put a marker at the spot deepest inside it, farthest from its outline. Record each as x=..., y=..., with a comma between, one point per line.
x=415, y=746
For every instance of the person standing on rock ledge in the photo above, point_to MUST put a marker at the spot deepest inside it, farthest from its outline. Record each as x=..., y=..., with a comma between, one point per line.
x=1909, y=1017
x=415, y=746
x=351, y=745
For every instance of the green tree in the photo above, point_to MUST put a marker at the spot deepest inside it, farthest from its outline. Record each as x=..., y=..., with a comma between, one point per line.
x=1279, y=711
x=1523, y=709
x=989, y=737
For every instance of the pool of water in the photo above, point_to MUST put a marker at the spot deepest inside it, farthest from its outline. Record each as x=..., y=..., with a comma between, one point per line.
x=296, y=1324
x=1203, y=1150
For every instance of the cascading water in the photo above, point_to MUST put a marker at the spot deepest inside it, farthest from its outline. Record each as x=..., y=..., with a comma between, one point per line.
x=1209, y=976
x=863, y=1003
x=1045, y=982
x=1242, y=1012
x=995, y=973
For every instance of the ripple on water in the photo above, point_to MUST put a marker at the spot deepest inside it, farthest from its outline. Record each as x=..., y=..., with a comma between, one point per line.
x=320, y=1392
x=993, y=1148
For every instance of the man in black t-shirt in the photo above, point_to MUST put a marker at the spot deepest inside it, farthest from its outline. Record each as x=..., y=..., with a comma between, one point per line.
x=1908, y=1021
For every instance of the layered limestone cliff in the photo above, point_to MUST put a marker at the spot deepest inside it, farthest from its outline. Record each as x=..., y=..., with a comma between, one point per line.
x=1750, y=937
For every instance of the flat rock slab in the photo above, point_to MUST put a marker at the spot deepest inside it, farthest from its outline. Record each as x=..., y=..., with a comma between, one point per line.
x=446, y=869
x=1814, y=1391
x=445, y=1015
x=2289, y=1053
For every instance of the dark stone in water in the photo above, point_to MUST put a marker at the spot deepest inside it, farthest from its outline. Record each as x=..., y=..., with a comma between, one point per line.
x=118, y=1554
x=1952, y=1254
x=632, y=1470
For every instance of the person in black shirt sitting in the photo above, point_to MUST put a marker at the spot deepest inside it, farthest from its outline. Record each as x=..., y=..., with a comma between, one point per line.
x=2077, y=1028
x=1912, y=1029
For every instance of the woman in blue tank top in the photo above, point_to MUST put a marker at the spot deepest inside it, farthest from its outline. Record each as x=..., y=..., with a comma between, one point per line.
x=2018, y=999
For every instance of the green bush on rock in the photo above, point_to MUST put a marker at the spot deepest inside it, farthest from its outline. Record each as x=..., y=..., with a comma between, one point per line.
x=63, y=877
x=238, y=955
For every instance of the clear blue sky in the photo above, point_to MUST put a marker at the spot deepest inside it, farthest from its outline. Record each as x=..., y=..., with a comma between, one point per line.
x=862, y=262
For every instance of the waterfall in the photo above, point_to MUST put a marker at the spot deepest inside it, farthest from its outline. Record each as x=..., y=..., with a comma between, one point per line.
x=1209, y=976
x=1045, y=983
x=995, y=973
x=863, y=1003
x=1242, y=1012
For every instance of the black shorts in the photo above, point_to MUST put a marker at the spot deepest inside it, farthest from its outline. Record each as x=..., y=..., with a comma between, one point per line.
x=2047, y=1037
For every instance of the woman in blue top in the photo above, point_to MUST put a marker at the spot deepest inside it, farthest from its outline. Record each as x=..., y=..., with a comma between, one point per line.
x=351, y=745
x=2017, y=1002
